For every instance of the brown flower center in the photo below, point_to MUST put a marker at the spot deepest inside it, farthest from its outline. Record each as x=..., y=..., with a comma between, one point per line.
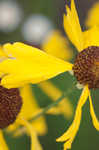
x=10, y=105
x=86, y=67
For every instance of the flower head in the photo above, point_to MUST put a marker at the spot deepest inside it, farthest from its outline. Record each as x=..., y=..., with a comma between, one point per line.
x=86, y=67
x=10, y=106
x=14, y=113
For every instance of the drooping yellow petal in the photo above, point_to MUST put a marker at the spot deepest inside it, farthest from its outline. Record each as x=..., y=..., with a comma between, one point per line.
x=64, y=107
x=93, y=15
x=57, y=45
x=70, y=134
x=72, y=26
x=91, y=37
x=30, y=65
x=94, y=118
x=29, y=109
x=35, y=145
x=3, y=145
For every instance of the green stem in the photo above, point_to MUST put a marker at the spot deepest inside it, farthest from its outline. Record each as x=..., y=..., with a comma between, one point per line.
x=52, y=105
x=47, y=108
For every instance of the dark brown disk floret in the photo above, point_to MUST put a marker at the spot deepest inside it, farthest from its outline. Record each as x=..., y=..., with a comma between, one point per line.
x=10, y=105
x=86, y=67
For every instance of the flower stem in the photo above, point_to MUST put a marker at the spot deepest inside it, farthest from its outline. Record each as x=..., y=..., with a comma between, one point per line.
x=52, y=104
x=47, y=108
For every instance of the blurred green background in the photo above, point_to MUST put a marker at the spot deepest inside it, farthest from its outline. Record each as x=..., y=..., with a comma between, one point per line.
x=87, y=137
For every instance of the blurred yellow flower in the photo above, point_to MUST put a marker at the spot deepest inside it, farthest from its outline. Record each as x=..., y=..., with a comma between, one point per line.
x=93, y=15
x=38, y=126
x=35, y=66
x=57, y=45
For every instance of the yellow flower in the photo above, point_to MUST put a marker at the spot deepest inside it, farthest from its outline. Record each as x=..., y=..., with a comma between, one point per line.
x=93, y=15
x=12, y=117
x=35, y=66
x=38, y=126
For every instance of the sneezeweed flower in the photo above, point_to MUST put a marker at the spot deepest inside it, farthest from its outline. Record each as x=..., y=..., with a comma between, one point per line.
x=17, y=106
x=93, y=15
x=35, y=66
x=38, y=126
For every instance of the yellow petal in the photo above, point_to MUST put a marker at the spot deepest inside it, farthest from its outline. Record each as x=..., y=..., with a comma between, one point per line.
x=2, y=53
x=93, y=15
x=94, y=118
x=91, y=37
x=57, y=45
x=64, y=107
x=35, y=145
x=2, y=57
x=40, y=126
x=3, y=145
x=29, y=102
x=33, y=66
x=72, y=26
x=70, y=134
